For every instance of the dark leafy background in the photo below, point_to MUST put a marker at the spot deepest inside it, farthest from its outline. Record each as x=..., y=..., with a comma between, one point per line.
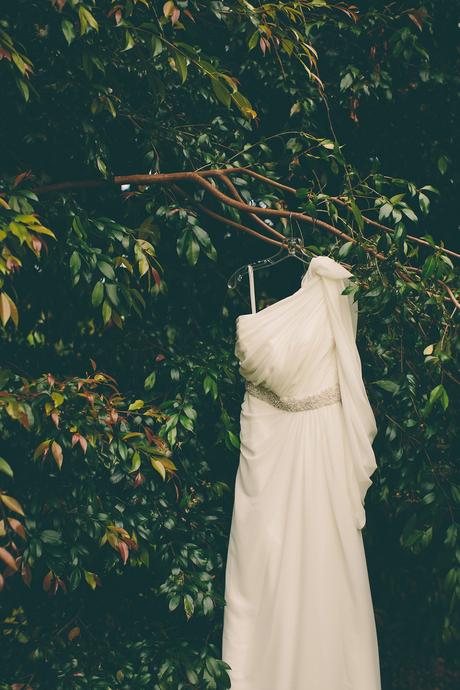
x=119, y=389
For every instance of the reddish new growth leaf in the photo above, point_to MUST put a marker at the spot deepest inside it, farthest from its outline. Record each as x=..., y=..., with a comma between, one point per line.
x=37, y=244
x=18, y=527
x=26, y=575
x=47, y=581
x=21, y=177
x=73, y=633
x=8, y=559
x=56, y=450
x=156, y=276
x=78, y=438
x=123, y=551
x=116, y=10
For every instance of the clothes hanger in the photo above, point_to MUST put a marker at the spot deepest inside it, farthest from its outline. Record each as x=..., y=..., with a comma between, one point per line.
x=295, y=249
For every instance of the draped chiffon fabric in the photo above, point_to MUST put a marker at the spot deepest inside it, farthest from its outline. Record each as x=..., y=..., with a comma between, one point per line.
x=299, y=612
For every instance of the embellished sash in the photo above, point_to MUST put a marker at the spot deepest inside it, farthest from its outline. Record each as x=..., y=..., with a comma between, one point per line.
x=328, y=396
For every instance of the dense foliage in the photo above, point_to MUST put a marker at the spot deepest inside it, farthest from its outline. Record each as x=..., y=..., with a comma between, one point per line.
x=120, y=393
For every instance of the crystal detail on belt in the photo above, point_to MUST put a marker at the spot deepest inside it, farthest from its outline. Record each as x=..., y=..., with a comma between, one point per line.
x=328, y=396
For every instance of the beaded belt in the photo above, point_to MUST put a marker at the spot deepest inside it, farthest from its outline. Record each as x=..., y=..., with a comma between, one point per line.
x=328, y=396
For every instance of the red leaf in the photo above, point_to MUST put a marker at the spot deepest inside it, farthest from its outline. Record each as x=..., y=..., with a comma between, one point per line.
x=75, y=632
x=8, y=558
x=19, y=178
x=37, y=244
x=139, y=479
x=123, y=550
x=47, y=581
x=26, y=574
x=18, y=527
x=57, y=453
x=156, y=276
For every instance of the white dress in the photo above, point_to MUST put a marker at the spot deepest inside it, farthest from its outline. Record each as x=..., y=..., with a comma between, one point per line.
x=298, y=612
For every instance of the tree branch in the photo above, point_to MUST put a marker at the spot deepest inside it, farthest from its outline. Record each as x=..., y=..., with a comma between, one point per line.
x=199, y=178
x=338, y=200
x=225, y=221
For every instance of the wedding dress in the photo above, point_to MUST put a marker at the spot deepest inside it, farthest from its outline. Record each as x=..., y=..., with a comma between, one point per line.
x=299, y=612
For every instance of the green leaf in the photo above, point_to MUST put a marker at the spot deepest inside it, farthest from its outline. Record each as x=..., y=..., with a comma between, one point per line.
x=222, y=93
x=112, y=294
x=157, y=46
x=451, y=535
x=106, y=269
x=181, y=65
x=5, y=467
x=253, y=41
x=186, y=422
x=234, y=440
x=429, y=267
x=75, y=263
x=424, y=202
x=189, y=606
x=174, y=602
x=97, y=294
x=159, y=467
x=208, y=606
x=129, y=42
x=136, y=405
x=150, y=381
x=135, y=461
x=345, y=249
x=357, y=214
x=443, y=163
x=429, y=498
x=388, y=385
x=346, y=81
x=50, y=536
x=205, y=241
x=210, y=386
x=68, y=30
x=87, y=21
x=439, y=393
x=410, y=214
x=385, y=211
x=90, y=579
x=106, y=311
x=193, y=250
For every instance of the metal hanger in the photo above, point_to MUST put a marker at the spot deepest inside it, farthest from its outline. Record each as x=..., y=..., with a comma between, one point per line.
x=295, y=249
